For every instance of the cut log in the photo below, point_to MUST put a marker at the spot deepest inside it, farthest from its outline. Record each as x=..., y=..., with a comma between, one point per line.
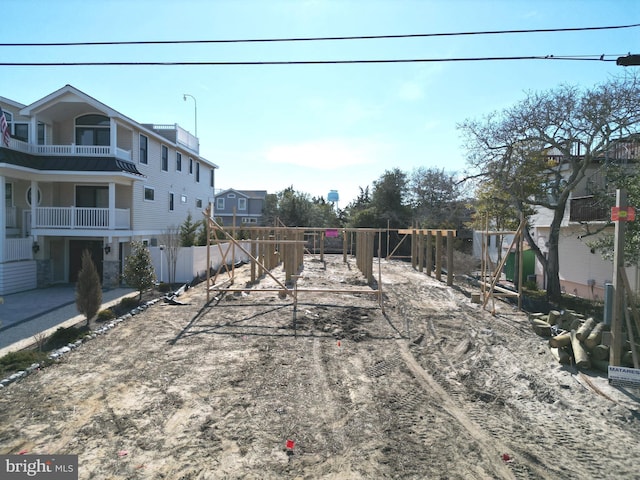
x=580, y=355
x=595, y=337
x=541, y=327
x=600, y=352
x=554, y=317
x=585, y=329
x=560, y=341
x=561, y=355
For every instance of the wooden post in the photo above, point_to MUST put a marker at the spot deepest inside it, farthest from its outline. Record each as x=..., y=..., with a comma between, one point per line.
x=618, y=264
x=322, y=236
x=439, y=255
x=254, y=253
x=344, y=245
x=429, y=253
x=421, y=251
x=449, y=258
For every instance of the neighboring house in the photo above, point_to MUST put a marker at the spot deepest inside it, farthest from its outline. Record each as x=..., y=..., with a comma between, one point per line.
x=583, y=272
x=244, y=207
x=76, y=174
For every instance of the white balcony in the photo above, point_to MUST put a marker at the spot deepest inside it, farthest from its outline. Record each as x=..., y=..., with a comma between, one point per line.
x=81, y=218
x=79, y=150
x=18, y=249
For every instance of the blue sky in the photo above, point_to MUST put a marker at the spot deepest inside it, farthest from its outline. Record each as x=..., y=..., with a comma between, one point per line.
x=316, y=127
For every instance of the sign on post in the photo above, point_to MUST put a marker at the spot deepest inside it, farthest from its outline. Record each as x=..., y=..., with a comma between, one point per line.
x=623, y=214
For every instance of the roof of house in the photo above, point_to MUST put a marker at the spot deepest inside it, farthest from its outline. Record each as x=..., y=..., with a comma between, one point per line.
x=260, y=194
x=67, y=164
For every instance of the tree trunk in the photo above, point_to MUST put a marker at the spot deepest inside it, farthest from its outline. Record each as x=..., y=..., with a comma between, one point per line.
x=554, y=292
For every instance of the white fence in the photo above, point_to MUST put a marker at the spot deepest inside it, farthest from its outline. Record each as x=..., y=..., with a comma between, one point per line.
x=192, y=261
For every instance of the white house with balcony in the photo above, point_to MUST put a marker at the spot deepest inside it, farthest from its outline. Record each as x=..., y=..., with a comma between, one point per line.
x=79, y=175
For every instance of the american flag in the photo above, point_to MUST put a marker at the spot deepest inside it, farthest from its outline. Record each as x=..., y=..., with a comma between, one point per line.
x=4, y=129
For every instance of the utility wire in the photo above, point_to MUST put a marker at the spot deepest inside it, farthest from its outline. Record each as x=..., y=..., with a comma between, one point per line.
x=315, y=39
x=598, y=58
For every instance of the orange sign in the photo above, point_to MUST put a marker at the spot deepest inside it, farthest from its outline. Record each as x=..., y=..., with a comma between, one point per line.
x=623, y=214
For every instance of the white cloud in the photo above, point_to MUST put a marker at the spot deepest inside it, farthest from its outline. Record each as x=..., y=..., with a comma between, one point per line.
x=325, y=154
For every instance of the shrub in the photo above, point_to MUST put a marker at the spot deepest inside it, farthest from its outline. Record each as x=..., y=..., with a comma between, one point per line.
x=88, y=289
x=63, y=336
x=105, y=315
x=129, y=303
x=164, y=287
x=16, y=361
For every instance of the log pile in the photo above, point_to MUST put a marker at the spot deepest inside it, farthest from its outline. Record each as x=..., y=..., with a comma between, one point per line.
x=574, y=338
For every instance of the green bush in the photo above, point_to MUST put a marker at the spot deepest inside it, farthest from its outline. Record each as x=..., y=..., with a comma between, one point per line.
x=63, y=336
x=16, y=361
x=105, y=315
x=129, y=303
x=164, y=287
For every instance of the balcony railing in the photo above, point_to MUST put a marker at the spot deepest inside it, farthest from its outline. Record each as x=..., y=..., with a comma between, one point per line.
x=80, y=150
x=588, y=209
x=18, y=249
x=81, y=217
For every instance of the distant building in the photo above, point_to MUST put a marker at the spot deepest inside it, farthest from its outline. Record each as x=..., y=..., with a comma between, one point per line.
x=245, y=207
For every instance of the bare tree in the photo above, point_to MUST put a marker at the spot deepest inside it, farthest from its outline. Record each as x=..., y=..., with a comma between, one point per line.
x=512, y=149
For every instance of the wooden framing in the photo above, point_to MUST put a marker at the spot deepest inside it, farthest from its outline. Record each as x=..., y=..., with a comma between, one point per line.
x=272, y=246
x=489, y=278
x=422, y=250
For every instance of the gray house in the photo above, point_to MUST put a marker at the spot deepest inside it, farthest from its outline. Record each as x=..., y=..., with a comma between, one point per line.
x=245, y=206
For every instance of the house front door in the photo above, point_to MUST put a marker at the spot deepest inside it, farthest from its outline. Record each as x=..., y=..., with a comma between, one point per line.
x=76, y=247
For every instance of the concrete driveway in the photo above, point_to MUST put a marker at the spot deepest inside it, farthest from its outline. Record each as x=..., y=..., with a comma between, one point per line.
x=24, y=314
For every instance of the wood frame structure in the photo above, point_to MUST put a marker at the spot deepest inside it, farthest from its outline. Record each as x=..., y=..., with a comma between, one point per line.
x=488, y=278
x=269, y=247
x=422, y=240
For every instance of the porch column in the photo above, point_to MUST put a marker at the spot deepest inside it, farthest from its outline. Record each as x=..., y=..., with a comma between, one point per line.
x=3, y=218
x=33, y=133
x=34, y=206
x=112, y=205
x=113, y=132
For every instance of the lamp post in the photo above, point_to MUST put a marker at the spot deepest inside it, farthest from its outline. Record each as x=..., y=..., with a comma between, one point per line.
x=195, y=109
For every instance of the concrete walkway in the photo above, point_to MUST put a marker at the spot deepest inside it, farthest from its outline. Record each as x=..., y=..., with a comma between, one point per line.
x=26, y=314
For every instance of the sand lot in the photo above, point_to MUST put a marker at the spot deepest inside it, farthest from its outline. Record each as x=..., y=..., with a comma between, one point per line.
x=433, y=388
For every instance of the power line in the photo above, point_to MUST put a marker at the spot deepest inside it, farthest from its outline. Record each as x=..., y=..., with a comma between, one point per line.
x=315, y=39
x=589, y=58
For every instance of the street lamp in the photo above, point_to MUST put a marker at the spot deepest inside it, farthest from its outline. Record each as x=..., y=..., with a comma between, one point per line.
x=195, y=108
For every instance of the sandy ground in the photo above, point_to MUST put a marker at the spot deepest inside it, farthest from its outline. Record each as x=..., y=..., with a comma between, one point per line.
x=433, y=387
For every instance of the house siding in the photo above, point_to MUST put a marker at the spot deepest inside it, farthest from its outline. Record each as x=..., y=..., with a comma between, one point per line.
x=18, y=277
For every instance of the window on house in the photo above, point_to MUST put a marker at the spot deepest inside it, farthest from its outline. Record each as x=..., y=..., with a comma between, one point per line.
x=144, y=141
x=21, y=131
x=42, y=132
x=219, y=203
x=29, y=196
x=171, y=202
x=231, y=195
x=242, y=204
x=198, y=203
x=191, y=166
x=93, y=130
x=165, y=159
x=198, y=172
x=211, y=178
x=178, y=162
x=149, y=194
x=8, y=195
